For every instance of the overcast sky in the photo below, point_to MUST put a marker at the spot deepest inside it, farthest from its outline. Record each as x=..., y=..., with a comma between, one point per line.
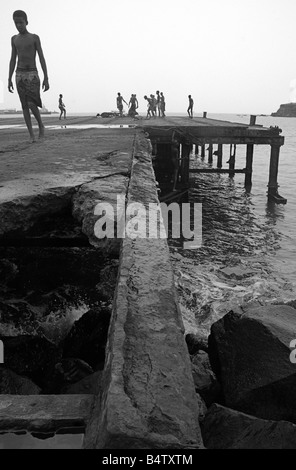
x=232, y=56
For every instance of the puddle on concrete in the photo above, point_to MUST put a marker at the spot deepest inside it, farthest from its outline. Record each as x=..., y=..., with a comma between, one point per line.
x=45, y=441
x=12, y=126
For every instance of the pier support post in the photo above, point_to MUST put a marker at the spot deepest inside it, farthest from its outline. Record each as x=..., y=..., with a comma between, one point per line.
x=186, y=148
x=204, y=114
x=203, y=151
x=196, y=149
x=210, y=156
x=253, y=119
x=249, y=165
x=273, y=174
x=231, y=161
x=220, y=156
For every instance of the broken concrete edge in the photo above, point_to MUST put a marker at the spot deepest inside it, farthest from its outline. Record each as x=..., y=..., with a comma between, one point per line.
x=15, y=214
x=20, y=210
x=44, y=413
x=148, y=397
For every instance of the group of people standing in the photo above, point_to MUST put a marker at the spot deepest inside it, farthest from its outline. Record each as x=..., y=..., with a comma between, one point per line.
x=156, y=105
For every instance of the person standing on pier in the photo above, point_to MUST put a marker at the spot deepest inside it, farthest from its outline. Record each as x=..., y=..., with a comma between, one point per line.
x=119, y=104
x=190, y=107
x=158, y=102
x=153, y=104
x=24, y=47
x=150, y=111
x=133, y=105
x=62, y=108
x=162, y=104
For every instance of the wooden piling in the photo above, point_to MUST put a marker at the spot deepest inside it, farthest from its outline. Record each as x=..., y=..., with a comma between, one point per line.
x=204, y=114
x=185, y=160
x=232, y=161
x=203, y=151
x=220, y=156
x=249, y=165
x=210, y=154
x=196, y=149
x=253, y=120
x=273, y=170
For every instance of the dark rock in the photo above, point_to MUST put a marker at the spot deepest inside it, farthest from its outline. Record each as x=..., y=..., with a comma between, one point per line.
x=87, y=338
x=30, y=356
x=8, y=271
x=65, y=372
x=108, y=278
x=205, y=381
x=196, y=343
x=202, y=408
x=47, y=269
x=16, y=312
x=14, y=384
x=88, y=385
x=237, y=272
x=250, y=352
x=223, y=428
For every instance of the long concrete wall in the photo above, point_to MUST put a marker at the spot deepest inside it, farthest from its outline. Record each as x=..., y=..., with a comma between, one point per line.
x=148, y=399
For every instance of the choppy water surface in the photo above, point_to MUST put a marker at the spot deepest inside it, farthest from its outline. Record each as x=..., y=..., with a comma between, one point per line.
x=240, y=230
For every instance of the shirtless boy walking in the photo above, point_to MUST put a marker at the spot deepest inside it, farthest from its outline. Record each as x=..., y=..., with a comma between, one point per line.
x=24, y=47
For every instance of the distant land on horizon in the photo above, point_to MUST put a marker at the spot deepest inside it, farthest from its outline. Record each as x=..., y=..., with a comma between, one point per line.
x=286, y=110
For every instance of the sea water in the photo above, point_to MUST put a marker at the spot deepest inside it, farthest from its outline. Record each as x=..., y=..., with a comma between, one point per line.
x=242, y=231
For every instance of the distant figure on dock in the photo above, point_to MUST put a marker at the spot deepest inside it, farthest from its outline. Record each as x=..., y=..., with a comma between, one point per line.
x=133, y=106
x=150, y=112
x=24, y=47
x=119, y=104
x=162, y=104
x=190, y=107
x=158, y=103
x=62, y=107
x=175, y=161
x=154, y=104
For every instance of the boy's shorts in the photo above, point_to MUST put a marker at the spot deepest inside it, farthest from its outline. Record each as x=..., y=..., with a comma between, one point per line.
x=28, y=86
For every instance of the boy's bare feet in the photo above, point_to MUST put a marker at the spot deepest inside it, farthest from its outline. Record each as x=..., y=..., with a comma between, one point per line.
x=41, y=132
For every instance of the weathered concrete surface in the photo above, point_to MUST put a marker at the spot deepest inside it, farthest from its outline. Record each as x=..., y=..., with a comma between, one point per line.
x=223, y=428
x=44, y=413
x=88, y=197
x=250, y=352
x=42, y=179
x=148, y=400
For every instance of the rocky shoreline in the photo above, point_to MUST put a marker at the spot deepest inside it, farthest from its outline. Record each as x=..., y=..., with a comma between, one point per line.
x=55, y=309
x=245, y=378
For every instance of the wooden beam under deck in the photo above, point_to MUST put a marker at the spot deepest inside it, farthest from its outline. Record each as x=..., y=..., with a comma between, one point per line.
x=216, y=170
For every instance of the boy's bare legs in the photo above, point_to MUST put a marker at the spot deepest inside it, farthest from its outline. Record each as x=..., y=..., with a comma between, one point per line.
x=37, y=116
x=28, y=121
